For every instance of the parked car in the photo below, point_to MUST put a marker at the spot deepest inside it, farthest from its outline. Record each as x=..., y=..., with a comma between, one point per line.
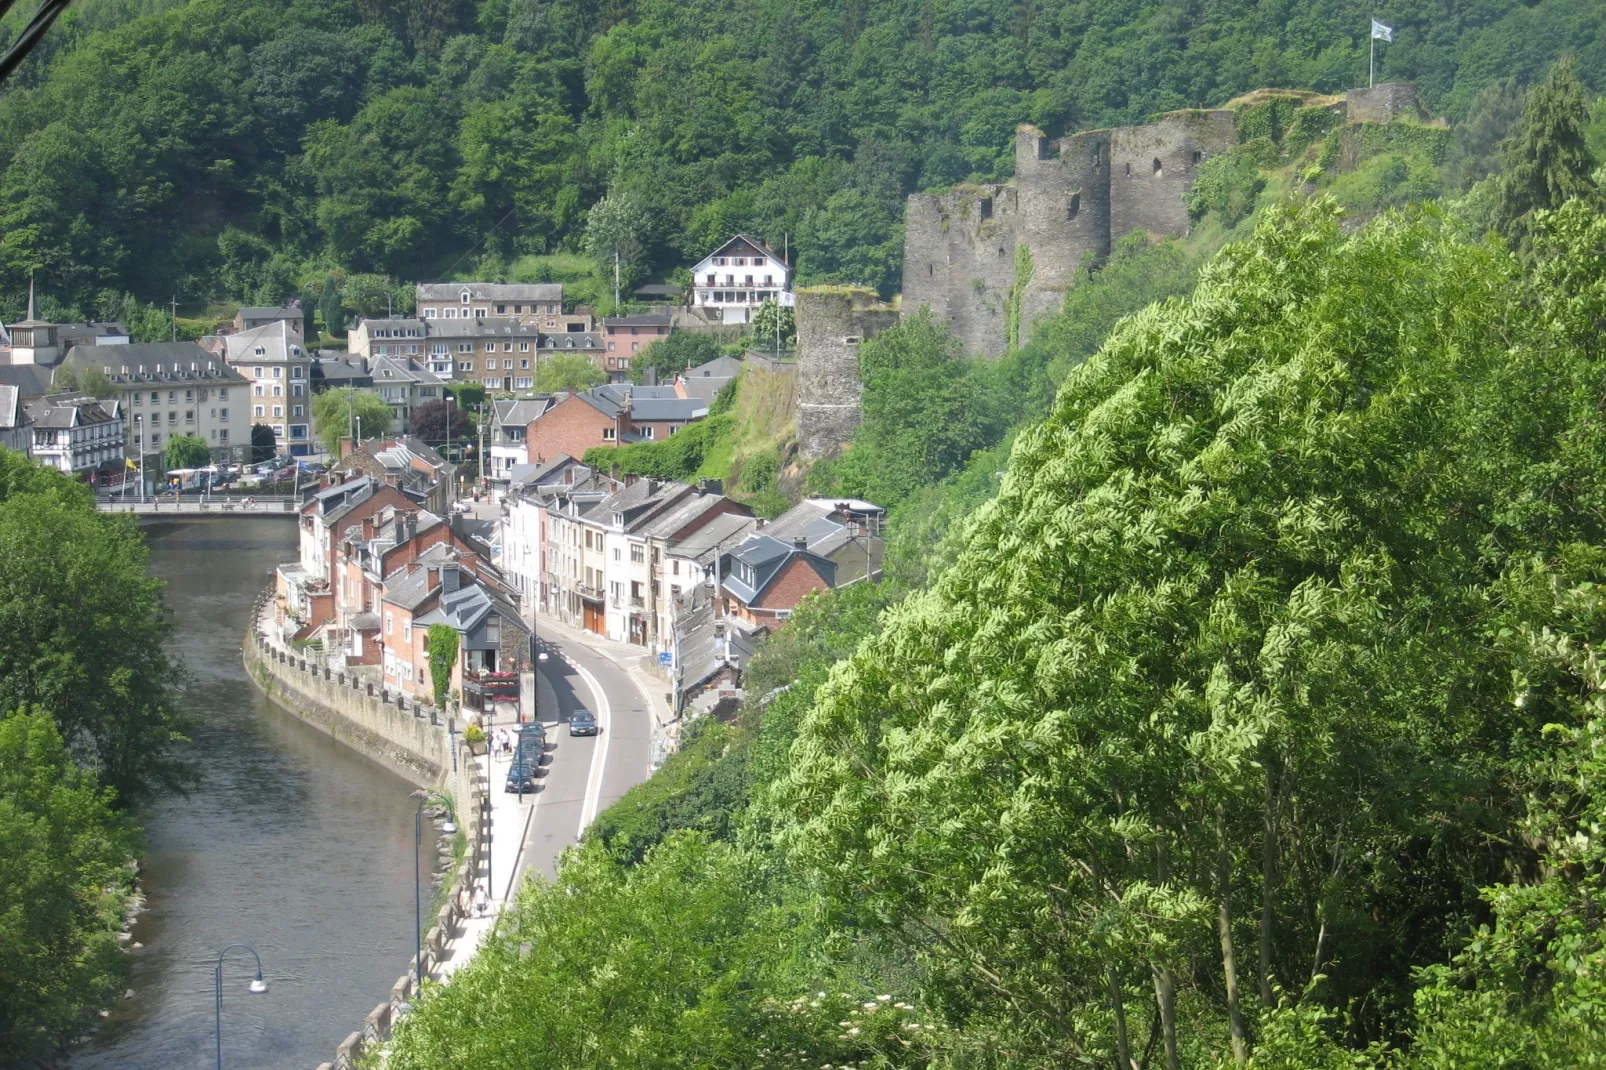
x=582, y=723
x=521, y=775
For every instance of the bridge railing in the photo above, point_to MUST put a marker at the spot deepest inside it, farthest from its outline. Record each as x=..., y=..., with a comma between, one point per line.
x=222, y=506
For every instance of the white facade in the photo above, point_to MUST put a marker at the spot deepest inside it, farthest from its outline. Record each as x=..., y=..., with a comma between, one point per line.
x=522, y=534
x=279, y=368
x=738, y=277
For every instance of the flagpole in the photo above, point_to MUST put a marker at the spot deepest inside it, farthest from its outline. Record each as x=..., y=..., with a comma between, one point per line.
x=1371, y=61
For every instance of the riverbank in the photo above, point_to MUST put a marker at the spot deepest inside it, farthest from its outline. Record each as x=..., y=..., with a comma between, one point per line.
x=415, y=741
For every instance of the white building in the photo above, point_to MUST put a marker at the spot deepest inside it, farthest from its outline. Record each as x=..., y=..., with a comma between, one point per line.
x=172, y=388
x=76, y=434
x=401, y=337
x=279, y=368
x=735, y=279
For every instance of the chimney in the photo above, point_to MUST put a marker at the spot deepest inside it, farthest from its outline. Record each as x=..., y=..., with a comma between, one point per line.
x=652, y=486
x=451, y=577
x=651, y=376
x=800, y=543
x=433, y=579
x=711, y=486
x=367, y=528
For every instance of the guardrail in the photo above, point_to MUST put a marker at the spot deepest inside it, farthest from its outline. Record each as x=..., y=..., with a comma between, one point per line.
x=275, y=506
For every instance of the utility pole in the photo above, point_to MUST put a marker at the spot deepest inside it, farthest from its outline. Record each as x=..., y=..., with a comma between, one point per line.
x=616, y=280
x=175, y=317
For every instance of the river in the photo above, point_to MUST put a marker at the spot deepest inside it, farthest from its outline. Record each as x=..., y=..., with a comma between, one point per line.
x=293, y=844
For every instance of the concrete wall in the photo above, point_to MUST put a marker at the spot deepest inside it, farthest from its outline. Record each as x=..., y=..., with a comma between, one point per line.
x=832, y=322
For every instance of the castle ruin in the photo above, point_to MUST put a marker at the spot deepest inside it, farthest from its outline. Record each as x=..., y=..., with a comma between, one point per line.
x=832, y=321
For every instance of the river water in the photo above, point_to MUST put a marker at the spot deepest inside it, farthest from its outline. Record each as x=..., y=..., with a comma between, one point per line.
x=293, y=844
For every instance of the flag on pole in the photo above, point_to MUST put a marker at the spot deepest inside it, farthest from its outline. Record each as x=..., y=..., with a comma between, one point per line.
x=1381, y=32
x=132, y=466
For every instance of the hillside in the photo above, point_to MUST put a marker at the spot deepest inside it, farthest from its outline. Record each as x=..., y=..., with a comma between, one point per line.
x=222, y=150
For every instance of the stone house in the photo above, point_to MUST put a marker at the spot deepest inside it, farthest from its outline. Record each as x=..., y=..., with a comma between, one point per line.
x=404, y=383
x=533, y=303
x=407, y=463
x=499, y=353
x=272, y=358
x=251, y=317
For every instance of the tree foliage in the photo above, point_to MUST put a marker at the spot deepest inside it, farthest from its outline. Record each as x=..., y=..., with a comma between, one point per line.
x=187, y=451
x=440, y=421
x=336, y=414
x=568, y=371
x=674, y=354
x=442, y=641
x=64, y=875
x=1547, y=160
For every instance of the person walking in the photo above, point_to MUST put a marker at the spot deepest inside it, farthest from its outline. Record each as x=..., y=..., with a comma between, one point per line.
x=480, y=902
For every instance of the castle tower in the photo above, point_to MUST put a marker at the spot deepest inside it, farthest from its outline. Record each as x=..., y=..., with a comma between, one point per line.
x=832, y=322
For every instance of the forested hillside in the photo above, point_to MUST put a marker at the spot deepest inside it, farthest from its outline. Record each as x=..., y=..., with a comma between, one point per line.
x=221, y=149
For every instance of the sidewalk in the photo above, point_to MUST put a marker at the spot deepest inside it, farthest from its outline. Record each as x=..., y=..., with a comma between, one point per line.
x=510, y=824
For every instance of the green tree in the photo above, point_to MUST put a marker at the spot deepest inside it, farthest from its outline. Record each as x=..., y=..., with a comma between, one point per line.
x=264, y=443
x=368, y=295
x=64, y=875
x=333, y=310
x=64, y=380
x=442, y=642
x=1547, y=159
x=338, y=414
x=187, y=451
x=83, y=632
x=568, y=371
x=672, y=355
x=774, y=328
x=618, y=230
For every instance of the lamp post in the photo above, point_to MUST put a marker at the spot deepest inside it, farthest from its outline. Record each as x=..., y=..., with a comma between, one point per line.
x=257, y=987
x=449, y=828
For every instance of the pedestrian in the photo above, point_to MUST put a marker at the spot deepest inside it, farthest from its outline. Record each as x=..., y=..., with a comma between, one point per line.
x=479, y=901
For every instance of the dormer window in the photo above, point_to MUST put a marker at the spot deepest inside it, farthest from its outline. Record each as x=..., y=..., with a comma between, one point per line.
x=463, y=297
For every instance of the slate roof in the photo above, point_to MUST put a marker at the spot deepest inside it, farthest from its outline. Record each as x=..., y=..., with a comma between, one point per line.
x=641, y=501
x=67, y=411
x=519, y=412
x=262, y=312
x=566, y=341
x=638, y=319
x=402, y=370
x=705, y=381
x=658, y=289
x=408, y=588
x=448, y=292
x=155, y=363
x=31, y=380
x=534, y=475
x=767, y=556
x=12, y=413
x=337, y=372
x=721, y=532
x=464, y=609
x=394, y=323
x=754, y=242
x=652, y=404
x=488, y=327
x=700, y=654
x=275, y=338
x=677, y=517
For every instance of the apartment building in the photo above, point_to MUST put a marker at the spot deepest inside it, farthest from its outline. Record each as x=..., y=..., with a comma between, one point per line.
x=172, y=388
x=398, y=337
x=532, y=303
x=625, y=336
x=279, y=367
x=74, y=434
x=499, y=352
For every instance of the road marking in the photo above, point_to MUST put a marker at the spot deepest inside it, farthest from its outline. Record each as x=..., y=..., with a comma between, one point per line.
x=599, y=757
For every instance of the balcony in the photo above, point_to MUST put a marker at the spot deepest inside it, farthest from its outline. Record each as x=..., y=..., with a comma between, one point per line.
x=589, y=593
x=493, y=684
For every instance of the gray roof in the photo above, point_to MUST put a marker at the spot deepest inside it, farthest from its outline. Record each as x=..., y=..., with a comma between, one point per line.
x=534, y=475
x=767, y=556
x=721, y=532
x=403, y=370
x=66, y=411
x=340, y=371
x=275, y=340
x=12, y=413
x=655, y=410
x=262, y=312
x=519, y=412
x=567, y=341
x=641, y=501
x=652, y=403
x=31, y=380
x=490, y=291
x=470, y=604
x=409, y=587
x=638, y=319
x=142, y=364
x=393, y=323
x=659, y=289
x=674, y=520
x=700, y=654
x=69, y=334
x=489, y=327
x=718, y=368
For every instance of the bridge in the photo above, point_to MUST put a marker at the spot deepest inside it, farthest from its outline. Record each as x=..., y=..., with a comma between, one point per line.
x=167, y=505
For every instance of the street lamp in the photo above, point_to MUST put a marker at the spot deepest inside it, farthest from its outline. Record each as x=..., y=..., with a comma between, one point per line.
x=450, y=828
x=257, y=987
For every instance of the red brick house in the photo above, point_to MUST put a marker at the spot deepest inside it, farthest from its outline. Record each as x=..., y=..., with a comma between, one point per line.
x=614, y=415
x=763, y=580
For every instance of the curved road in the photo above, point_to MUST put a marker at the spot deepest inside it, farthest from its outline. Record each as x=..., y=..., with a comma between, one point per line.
x=585, y=773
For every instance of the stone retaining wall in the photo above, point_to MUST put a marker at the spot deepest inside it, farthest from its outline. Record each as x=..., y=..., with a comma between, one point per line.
x=416, y=741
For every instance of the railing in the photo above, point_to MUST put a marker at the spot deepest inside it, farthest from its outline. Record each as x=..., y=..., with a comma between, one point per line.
x=275, y=506
x=587, y=591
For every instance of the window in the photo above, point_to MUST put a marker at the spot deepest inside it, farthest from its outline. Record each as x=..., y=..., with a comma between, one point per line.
x=407, y=631
x=451, y=313
x=493, y=629
x=616, y=556
x=524, y=347
x=172, y=397
x=156, y=398
x=479, y=313
x=138, y=397
x=278, y=410
x=223, y=415
x=189, y=416
x=637, y=555
x=674, y=568
x=257, y=411
x=295, y=410
x=295, y=389
x=223, y=434
x=223, y=394
x=610, y=347
x=523, y=383
x=646, y=432
x=389, y=620
x=465, y=366
x=465, y=347
x=463, y=297
x=260, y=351
x=257, y=390
x=507, y=347
x=138, y=418
x=501, y=309
x=172, y=417
x=607, y=434
x=1075, y=206
x=524, y=362
x=189, y=395
x=429, y=313
x=278, y=391
x=507, y=365
x=295, y=373
x=278, y=372
x=490, y=365
x=256, y=373
x=156, y=439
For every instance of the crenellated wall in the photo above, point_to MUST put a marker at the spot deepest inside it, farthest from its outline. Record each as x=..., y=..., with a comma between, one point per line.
x=990, y=260
x=832, y=322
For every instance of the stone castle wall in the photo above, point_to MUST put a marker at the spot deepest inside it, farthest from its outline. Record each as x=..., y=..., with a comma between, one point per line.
x=831, y=324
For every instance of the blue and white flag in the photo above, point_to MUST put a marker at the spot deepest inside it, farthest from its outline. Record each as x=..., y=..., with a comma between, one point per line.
x=1381, y=32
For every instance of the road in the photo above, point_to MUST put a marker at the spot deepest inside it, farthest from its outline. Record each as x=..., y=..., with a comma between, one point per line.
x=585, y=774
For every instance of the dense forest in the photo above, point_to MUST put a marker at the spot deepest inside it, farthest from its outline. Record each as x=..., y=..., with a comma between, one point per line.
x=221, y=149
